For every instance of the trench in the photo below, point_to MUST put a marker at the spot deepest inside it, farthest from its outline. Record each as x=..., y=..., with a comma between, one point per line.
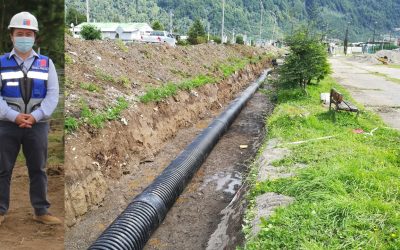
x=195, y=215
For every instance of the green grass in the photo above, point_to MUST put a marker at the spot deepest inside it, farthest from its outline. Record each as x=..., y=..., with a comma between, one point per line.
x=104, y=76
x=392, y=79
x=226, y=69
x=124, y=81
x=68, y=59
x=348, y=196
x=91, y=87
x=121, y=45
x=171, y=89
x=95, y=119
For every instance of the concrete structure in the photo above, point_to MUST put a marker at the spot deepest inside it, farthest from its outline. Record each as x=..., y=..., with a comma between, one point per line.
x=127, y=32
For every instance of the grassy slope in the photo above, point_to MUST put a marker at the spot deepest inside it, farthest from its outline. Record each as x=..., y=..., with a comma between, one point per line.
x=349, y=195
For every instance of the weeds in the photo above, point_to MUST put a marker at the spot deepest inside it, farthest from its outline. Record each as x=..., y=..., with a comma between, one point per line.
x=95, y=119
x=125, y=81
x=91, y=87
x=170, y=89
x=121, y=45
x=71, y=124
x=68, y=59
x=104, y=76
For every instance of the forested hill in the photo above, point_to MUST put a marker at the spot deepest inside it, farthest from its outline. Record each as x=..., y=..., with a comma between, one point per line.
x=243, y=16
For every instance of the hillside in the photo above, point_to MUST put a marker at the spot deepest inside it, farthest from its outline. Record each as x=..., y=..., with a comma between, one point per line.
x=329, y=16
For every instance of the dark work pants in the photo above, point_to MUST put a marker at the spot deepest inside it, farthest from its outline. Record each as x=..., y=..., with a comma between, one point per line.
x=34, y=147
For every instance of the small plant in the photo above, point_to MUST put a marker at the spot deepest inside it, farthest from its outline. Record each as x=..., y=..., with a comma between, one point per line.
x=121, y=45
x=71, y=124
x=89, y=87
x=115, y=112
x=196, y=82
x=68, y=59
x=104, y=76
x=157, y=94
x=125, y=81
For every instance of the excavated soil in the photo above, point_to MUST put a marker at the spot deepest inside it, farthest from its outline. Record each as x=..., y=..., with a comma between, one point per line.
x=96, y=159
x=105, y=168
x=196, y=214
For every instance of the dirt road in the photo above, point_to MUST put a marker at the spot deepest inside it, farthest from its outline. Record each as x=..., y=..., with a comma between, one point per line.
x=375, y=92
x=19, y=231
x=196, y=213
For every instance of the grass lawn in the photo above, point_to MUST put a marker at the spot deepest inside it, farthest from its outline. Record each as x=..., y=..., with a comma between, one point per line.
x=348, y=196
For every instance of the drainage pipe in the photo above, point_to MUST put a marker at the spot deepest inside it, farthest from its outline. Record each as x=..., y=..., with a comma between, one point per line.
x=144, y=214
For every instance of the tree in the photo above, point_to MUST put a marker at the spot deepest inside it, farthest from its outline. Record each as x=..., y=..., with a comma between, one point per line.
x=197, y=33
x=90, y=32
x=75, y=17
x=157, y=26
x=239, y=40
x=307, y=60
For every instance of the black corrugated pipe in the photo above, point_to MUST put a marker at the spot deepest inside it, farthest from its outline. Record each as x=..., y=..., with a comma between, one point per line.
x=133, y=227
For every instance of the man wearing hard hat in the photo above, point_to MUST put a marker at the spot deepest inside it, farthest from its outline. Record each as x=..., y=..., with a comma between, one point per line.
x=28, y=97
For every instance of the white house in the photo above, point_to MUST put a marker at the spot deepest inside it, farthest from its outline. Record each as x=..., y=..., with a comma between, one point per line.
x=125, y=31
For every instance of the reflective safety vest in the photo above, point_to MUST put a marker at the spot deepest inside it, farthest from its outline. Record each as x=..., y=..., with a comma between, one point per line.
x=24, y=92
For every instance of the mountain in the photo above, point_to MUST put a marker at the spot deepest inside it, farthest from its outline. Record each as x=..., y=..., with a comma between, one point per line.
x=329, y=17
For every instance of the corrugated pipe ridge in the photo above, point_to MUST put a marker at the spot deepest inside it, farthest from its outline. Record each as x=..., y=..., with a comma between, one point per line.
x=132, y=229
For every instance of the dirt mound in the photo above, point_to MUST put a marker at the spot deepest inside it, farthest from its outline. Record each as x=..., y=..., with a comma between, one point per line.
x=392, y=55
x=96, y=160
x=128, y=70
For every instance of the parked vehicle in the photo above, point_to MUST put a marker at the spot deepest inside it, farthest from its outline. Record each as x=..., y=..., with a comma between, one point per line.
x=158, y=36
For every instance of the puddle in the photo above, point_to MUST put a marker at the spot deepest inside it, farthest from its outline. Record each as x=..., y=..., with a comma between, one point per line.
x=227, y=182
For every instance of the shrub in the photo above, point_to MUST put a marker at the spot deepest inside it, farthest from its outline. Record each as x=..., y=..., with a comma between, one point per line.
x=239, y=40
x=90, y=32
x=307, y=61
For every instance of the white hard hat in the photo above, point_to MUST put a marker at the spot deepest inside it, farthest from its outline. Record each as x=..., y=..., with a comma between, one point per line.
x=24, y=20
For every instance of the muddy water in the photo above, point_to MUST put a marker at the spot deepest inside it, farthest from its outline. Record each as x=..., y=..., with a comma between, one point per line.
x=196, y=213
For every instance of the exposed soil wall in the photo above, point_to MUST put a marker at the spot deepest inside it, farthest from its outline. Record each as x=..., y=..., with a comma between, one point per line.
x=95, y=159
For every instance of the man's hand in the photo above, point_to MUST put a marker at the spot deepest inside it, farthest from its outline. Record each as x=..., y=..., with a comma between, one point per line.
x=25, y=120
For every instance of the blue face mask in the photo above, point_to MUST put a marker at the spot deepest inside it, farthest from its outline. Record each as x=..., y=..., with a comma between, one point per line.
x=23, y=44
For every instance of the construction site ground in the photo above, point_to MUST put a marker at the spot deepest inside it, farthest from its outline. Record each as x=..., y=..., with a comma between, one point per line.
x=19, y=230
x=106, y=167
x=377, y=87
x=196, y=214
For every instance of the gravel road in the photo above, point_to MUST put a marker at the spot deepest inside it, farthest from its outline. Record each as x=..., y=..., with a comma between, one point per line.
x=375, y=92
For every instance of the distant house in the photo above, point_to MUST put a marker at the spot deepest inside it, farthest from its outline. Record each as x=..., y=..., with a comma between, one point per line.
x=125, y=31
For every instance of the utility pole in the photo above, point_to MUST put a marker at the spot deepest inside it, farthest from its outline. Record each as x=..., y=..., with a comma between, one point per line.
x=373, y=37
x=261, y=19
x=170, y=21
x=346, y=39
x=273, y=31
x=87, y=11
x=223, y=20
x=208, y=31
